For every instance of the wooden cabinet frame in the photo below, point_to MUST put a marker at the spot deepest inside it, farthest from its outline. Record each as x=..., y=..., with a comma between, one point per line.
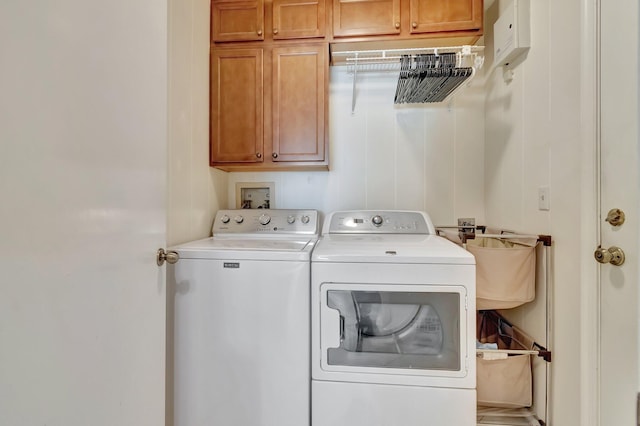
x=236, y=110
x=243, y=20
x=269, y=108
x=450, y=15
x=366, y=17
x=299, y=84
x=298, y=19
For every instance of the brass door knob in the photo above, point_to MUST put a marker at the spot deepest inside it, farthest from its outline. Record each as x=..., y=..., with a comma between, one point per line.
x=259, y=32
x=397, y=25
x=168, y=256
x=275, y=31
x=612, y=255
x=414, y=24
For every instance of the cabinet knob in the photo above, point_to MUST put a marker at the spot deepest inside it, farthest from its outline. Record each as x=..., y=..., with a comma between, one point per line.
x=259, y=32
x=258, y=155
x=274, y=155
x=397, y=25
x=275, y=31
x=414, y=24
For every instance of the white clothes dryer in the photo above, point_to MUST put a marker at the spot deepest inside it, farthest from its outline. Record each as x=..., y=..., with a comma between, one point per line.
x=393, y=323
x=241, y=329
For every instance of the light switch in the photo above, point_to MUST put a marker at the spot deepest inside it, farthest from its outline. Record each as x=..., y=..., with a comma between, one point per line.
x=543, y=198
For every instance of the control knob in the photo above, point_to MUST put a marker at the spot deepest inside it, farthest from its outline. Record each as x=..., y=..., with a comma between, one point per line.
x=377, y=220
x=238, y=219
x=264, y=219
x=305, y=219
x=291, y=219
x=225, y=219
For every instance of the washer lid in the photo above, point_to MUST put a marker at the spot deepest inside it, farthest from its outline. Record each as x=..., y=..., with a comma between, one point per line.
x=247, y=248
x=370, y=248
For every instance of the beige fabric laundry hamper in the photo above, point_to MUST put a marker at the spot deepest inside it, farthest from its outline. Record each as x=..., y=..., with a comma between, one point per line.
x=503, y=380
x=505, y=272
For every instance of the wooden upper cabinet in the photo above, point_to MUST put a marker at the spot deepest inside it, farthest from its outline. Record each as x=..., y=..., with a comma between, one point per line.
x=300, y=83
x=237, y=20
x=236, y=121
x=430, y=16
x=365, y=17
x=298, y=19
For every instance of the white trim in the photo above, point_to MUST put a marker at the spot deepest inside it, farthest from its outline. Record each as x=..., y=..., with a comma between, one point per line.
x=589, y=272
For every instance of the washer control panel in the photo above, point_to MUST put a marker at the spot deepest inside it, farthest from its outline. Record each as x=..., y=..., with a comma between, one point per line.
x=379, y=222
x=262, y=221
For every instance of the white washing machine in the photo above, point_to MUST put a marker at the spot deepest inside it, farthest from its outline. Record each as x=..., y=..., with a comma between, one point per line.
x=242, y=321
x=393, y=323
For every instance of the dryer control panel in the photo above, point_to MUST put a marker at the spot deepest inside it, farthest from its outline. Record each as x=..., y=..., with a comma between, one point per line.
x=379, y=222
x=266, y=221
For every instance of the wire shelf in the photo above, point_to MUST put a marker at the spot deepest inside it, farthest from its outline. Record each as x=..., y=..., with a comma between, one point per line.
x=389, y=59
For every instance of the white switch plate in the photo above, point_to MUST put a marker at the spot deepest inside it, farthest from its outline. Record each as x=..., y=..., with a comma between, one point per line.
x=543, y=198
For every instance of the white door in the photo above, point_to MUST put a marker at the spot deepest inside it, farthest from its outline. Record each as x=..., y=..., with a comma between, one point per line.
x=83, y=140
x=619, y=189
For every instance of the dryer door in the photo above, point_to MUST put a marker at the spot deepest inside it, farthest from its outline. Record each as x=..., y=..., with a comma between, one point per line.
x=394, y=330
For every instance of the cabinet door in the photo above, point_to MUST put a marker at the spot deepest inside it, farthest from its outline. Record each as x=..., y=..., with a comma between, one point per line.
x=298, y=19
x=236, y=106
x=299, y=103
x=366, y=17
x=445, y=15
x=237, y=20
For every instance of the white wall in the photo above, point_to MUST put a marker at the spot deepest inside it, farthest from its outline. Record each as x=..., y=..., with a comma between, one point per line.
x=196, y=191
x=391, y=157
x=532, y=139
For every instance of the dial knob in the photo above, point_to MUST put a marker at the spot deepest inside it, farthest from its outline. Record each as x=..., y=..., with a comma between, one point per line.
x=225, y=219
x=239, y=219
x=291, y=219
x=305, y=219
x=264, y=219
x=377, y=220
